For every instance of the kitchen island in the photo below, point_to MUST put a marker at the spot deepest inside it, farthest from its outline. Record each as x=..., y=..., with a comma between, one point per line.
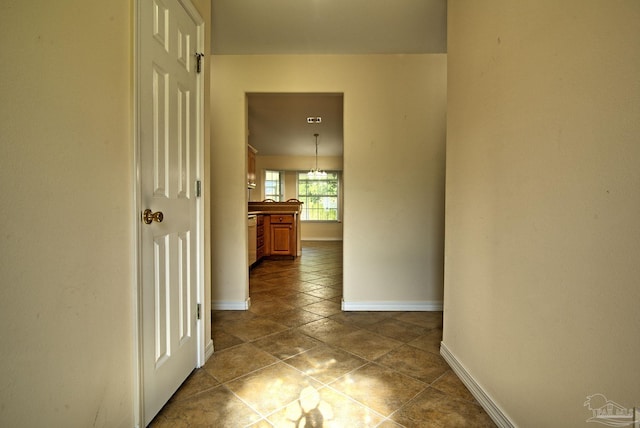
x=278, y=228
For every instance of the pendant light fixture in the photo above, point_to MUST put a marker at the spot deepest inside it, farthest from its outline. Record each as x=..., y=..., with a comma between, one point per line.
x=316, y=173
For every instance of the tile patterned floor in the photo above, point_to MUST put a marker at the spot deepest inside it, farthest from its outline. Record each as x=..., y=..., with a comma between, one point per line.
x=296, y=360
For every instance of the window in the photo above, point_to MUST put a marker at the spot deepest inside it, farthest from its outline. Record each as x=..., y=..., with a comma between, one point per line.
x=273, y=185
x=320, y=197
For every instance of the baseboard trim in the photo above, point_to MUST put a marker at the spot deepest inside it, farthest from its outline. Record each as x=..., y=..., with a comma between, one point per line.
x=322, y=239
x=485, y=400
x=208, y=350
x=424, y=306
x=219, y=305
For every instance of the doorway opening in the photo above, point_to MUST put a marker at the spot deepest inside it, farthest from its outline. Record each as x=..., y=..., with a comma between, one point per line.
x=293, y=134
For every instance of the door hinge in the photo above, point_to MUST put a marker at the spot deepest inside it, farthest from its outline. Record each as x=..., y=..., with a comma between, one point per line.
x=199, y=56
x=198, y=188
x=198, y=311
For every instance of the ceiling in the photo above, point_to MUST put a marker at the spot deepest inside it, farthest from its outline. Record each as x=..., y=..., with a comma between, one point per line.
x=277, y=122
x=248, y=27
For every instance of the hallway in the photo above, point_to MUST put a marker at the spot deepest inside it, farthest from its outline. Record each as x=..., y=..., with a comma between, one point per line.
x=295, y=359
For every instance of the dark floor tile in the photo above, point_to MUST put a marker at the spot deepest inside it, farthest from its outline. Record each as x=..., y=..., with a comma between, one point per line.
x=217, y=407
x=238, y=361
x=328, y=281
x=198, y=381
x=360, y=319
x=261, y=295
x=380, y=388
x=451, y=385
x=294, y=317
x=414, y=362
x=364, y=343
x=305, y=276
x=283, y=291
x=397, y=330
x=330, y=271
x=325, y=293
x=303, y=299
x=300, y=285
x=436, y=409
x=308, y=267
x=253, y=328
x=267, y=307
x=219, y=317
x=306, y=286
x=427, y=320
x=286, y=344
x=259, y=285
x=223, y=340
x=326, y=363
x=324, y=308
x=326, y=329
x=429, y=341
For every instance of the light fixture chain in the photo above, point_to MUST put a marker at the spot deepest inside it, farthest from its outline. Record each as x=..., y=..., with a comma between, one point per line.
x=316, y=173
x=316, y=135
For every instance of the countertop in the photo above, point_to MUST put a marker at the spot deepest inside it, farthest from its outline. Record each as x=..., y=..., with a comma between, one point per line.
x=276, y=212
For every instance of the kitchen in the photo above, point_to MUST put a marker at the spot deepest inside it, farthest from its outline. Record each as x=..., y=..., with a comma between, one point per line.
x=288, y=135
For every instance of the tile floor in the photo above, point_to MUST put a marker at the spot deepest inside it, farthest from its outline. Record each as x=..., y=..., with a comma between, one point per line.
x=296, y=360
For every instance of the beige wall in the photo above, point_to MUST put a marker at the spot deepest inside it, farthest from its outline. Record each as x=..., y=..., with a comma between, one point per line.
x=394, y=114
x=66, y=203
x=290, y=165
x=543, y=202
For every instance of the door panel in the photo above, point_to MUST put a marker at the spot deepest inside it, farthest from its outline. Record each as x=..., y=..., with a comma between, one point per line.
x=281, y=239
x=161, y=293
x=168, y=86
x=160, y=105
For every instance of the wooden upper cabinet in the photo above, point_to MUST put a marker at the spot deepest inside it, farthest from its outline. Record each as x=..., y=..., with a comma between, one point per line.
x=251, y=167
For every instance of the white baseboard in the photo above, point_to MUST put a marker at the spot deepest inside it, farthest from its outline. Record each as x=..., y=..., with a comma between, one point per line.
x=321, y=239
x=485, y=400
x=406, y=306
x=219, y=305
x=208, y=350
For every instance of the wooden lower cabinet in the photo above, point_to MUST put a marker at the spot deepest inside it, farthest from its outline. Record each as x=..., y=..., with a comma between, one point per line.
x=281, y=240
x=276, y=235
x=283, y=235
x=260, y=238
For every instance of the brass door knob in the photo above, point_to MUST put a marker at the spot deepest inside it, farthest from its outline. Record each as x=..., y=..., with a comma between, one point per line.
x=149, y=216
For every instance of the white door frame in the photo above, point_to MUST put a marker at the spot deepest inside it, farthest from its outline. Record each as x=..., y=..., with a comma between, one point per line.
x=138, y=392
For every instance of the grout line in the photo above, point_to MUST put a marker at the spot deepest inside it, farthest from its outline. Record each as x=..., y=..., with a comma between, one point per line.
x=262, y=416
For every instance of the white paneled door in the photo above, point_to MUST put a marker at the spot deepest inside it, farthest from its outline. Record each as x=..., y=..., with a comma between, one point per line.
x=169, y=121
